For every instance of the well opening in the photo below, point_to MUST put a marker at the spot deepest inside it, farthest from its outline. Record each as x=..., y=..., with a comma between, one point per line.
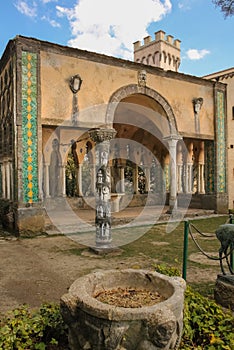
x=96, y=325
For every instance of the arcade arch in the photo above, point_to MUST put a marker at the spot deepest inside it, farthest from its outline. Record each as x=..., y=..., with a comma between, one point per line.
x=147, y=155
x=144, y=118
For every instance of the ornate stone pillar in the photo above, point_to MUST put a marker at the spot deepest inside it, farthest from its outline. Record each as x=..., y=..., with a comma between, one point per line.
x=179, y=169
x=122, y=185
x=11, y=180
x=201, y=161
x=102, y=137
x=1, y=184
x=63, y=180
x=188, y=181
x=172, y=142
x=135, y=179
x=190, y=177
x=8, y=181
x=93, y=178
x=47, y=181
x=3, y=180
x=147, y=178
x=166, y=172
x=79, y=189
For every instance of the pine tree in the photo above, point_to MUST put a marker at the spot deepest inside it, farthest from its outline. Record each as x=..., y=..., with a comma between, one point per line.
x=227, y=7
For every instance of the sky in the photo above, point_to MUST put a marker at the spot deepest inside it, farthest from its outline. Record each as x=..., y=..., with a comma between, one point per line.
x=112, y=26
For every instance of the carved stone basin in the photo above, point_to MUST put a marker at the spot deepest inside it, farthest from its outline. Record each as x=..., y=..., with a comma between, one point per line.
x=96, y=325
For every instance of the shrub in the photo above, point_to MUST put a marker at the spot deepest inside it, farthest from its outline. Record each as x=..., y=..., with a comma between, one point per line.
x=42, y=329
x=206, y=325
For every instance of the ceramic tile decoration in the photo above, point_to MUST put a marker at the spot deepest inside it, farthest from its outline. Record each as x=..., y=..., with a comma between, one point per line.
x=209, y=161
x=221, y=143
x=29, y=127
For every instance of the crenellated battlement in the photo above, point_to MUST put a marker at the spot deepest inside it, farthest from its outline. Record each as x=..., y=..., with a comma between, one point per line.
x=164, y=46
x=159, y=36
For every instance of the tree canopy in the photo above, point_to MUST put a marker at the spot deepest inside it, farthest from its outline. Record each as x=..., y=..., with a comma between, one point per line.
x=227, y=7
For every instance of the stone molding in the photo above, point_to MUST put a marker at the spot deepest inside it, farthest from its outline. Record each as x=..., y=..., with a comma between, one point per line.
x=132, y=89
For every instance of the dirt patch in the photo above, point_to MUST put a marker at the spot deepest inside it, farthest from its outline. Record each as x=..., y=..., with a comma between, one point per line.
x=204, y=260
x=42, y=269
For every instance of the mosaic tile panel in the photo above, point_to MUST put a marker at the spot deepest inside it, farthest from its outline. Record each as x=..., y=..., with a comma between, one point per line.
x=0, y=180
x=209, y=163
x=221, y=144
x=29, y=127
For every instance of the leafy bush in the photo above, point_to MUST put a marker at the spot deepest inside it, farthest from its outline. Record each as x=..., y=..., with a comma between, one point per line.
x=39, y=330
x=206, y=325
x=167, y=270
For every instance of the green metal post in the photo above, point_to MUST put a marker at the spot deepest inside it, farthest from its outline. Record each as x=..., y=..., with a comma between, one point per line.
x=232, y=253
x=185, y=252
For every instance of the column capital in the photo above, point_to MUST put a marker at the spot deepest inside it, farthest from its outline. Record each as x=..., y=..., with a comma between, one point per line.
x=173, y=137
x=99, y=135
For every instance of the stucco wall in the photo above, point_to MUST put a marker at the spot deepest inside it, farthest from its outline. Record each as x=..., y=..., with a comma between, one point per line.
x=100, y=81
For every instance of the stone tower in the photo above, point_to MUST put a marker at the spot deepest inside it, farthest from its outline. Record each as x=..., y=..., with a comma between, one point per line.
x=163, y=52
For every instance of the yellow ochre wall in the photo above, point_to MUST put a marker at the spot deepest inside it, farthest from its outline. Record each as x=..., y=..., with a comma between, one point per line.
x=101, y=80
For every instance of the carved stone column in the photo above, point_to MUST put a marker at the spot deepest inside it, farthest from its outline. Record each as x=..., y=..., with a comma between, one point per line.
x=190, y=177
x=3, y=180
x=135, y=179
x=172, y=142
x=122, y=185
x=47, y=181
x=201, y=184
x=11, y=180
x=79, y=189
x=63, y=184
x=201, y=166
x=147, y=178
x=93, y=178
x=102, y=139
x=179, y=169
x=8, y=180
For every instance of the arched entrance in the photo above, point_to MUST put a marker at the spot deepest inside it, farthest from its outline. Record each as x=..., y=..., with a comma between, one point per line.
x=146, y=135
x=80, y=168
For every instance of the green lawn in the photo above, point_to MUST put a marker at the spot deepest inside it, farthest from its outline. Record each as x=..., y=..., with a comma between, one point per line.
x=167, y=248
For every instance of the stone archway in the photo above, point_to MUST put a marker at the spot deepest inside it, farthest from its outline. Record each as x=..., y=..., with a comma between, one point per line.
x=132, y=89
x=146, y=117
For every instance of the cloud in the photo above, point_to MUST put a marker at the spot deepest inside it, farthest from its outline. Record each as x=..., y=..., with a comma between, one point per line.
x=34, y=10
x=52, y=22
x=25, y=9
x=47, y=1
x=194, y=54
x=111, y=26
x=184, y=5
